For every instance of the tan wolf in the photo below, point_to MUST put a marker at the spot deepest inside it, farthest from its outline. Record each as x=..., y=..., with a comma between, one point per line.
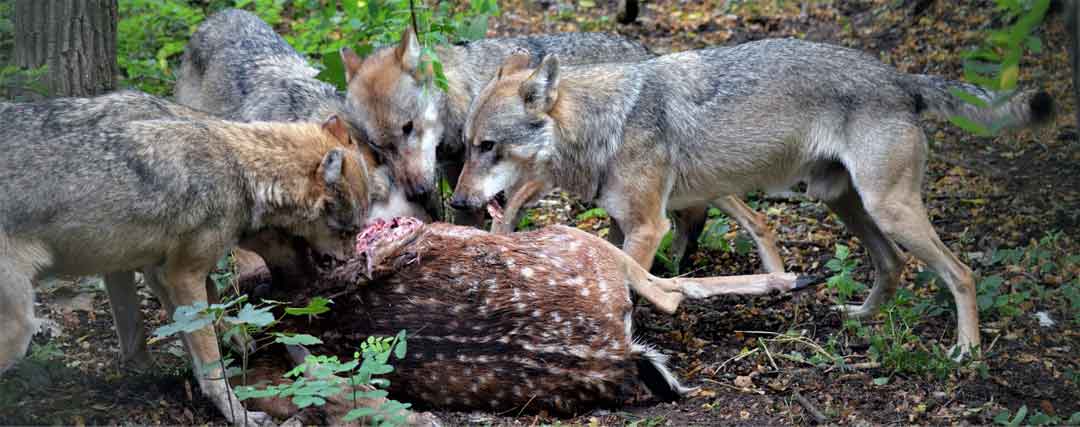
x=166, y=196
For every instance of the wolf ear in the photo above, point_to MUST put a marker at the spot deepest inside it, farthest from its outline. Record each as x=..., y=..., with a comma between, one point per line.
x=541, y=89
x=351, y=61
x=331, y=166
x=335, y=126
x=518, y=60
x=408, y=51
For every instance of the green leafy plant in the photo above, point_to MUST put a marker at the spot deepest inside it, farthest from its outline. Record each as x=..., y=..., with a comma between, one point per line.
x=151, y=36
x=842, y=265
x=317, y=378
x=320, y=377
x=320, y=31
x=995, y=64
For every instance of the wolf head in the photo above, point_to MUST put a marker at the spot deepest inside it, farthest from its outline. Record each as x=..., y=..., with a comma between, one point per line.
x=399, y=115
x=339, y=195
x=510, y=132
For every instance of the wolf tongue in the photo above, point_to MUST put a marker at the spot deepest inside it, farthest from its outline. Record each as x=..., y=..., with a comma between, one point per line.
x=495, y=210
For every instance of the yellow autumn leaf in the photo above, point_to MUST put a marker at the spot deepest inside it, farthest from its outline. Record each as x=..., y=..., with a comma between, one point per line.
x=1009, y=76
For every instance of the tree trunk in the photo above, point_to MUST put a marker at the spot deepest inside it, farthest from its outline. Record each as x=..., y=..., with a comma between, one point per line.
x=75, y=39
x=1072, y=19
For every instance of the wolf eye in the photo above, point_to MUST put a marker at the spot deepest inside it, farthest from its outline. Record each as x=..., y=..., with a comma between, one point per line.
x=486, y=145
x=407, y=129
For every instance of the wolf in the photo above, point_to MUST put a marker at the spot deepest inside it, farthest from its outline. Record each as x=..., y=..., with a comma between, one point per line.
x=414, y=126
x=167, y=196
x=687, y=128
x=235, y=66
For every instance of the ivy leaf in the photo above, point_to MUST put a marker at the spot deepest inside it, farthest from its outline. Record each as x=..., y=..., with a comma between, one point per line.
x=296, y=339
x=970, y=125
x=316, y=306
x=399, y=351
x=249, y=315
x=187, y=319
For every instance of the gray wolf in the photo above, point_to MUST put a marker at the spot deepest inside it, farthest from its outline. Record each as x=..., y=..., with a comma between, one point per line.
x=235, y=66
x=412, y=125
x=538, y=320
x=167, y=196
x=687, y=128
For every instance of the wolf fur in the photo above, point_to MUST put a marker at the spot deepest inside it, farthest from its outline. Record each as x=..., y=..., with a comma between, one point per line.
x=235, y=66
x=89, y=193
x=415, y=127
x=684, y=129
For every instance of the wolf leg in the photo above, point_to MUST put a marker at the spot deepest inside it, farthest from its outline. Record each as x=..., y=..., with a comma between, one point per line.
x=185, y=284
x=16, y=311
x=888, y=263
x=890, y=191
x=754, y=223
x=689, y=223
x=124, y=303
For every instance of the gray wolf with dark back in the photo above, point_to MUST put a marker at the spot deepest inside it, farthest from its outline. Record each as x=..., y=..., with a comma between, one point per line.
x=412, y=125
x=687, y=128
x=237, y=67
x=86, y=193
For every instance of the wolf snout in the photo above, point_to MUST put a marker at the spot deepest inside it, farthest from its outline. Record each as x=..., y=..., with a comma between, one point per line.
x=461, y=203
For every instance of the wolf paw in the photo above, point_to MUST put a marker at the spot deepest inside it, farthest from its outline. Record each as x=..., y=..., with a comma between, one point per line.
x=856, y=311
x=255, y=419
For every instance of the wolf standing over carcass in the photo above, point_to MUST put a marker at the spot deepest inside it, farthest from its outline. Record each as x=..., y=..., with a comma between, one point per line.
x=415, y=127
x=237, y=67
x=687, y=128
x=167, y=196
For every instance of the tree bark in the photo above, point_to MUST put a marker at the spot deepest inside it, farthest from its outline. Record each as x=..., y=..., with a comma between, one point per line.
x=1072, y=19
x=75, y=39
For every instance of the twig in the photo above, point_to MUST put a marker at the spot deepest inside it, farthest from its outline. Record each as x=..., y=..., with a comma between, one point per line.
x=819, y=418
x=767, y=353
x=733, y=359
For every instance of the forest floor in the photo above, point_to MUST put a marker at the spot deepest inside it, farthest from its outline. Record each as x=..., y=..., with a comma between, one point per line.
x=1008, y=206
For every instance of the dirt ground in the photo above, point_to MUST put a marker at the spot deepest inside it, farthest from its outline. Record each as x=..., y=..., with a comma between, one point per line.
x=753, y=358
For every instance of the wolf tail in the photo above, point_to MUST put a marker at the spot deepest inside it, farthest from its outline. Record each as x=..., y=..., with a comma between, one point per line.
x=1001, y=111
x=654, y=373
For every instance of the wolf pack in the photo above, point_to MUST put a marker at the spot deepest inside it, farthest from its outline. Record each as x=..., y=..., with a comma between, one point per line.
x=257, y=156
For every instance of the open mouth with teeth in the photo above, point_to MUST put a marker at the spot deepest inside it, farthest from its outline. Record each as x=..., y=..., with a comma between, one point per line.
x=495, y=206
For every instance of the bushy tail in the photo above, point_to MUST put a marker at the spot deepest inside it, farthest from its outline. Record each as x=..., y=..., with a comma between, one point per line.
x=654, y=373
x=1022, y=109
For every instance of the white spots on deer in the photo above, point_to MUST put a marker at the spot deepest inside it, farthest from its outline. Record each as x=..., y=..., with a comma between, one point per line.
x=552, y=283
x=510, y=263
x=527, y=272
x=536, y=314
x=585, y=291
x=576, y=281
x=456, y=269
x=522, y=307
x=555, y=317
x=399, y=289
